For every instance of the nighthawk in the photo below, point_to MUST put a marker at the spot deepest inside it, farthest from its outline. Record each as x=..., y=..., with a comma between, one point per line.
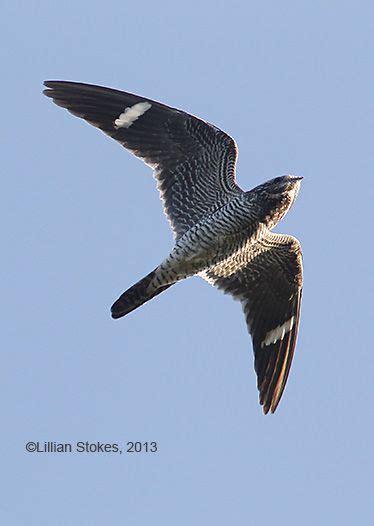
x=222, y=233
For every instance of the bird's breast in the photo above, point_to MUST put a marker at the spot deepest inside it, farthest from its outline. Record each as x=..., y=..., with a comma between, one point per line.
x=223, y=238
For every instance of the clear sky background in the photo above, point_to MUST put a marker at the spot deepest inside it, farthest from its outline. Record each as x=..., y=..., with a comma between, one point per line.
x=292, y=82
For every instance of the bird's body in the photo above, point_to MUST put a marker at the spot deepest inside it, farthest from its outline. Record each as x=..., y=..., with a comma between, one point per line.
x=222, y=233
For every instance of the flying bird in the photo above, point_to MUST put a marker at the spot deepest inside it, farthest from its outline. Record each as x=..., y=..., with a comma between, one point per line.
x=222, y=233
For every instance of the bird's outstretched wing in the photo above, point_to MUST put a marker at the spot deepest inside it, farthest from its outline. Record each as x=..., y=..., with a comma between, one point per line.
x=194, y=162
x=269, y=285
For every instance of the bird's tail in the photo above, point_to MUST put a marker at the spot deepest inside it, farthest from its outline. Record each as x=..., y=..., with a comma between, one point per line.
x=143, y=291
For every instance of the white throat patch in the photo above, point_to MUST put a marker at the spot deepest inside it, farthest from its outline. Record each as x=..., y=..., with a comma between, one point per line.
x=131, y=114
x=278, y=333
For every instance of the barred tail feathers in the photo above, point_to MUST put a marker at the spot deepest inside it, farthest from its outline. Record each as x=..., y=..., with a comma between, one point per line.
x=136, y=295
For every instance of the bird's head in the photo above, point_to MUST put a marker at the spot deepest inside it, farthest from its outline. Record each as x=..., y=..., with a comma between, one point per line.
x=276, y=197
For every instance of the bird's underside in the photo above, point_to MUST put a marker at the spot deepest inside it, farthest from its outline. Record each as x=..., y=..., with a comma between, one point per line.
x=222, y=233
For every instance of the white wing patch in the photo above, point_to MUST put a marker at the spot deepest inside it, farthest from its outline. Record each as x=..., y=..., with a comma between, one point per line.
x=278, y=333
x=131, y=114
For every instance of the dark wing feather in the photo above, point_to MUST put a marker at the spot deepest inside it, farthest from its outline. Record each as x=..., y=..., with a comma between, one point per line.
x=194, y=162
x=269, y=286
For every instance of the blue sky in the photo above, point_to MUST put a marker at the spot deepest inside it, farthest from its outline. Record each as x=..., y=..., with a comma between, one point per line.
x=292, y=82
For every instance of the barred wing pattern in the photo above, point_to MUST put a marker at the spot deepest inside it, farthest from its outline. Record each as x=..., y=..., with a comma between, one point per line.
x=269, y=287
x=193, y=161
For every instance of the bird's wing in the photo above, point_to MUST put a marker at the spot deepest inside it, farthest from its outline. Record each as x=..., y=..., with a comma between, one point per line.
x=194, y=162
x=268, y=282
